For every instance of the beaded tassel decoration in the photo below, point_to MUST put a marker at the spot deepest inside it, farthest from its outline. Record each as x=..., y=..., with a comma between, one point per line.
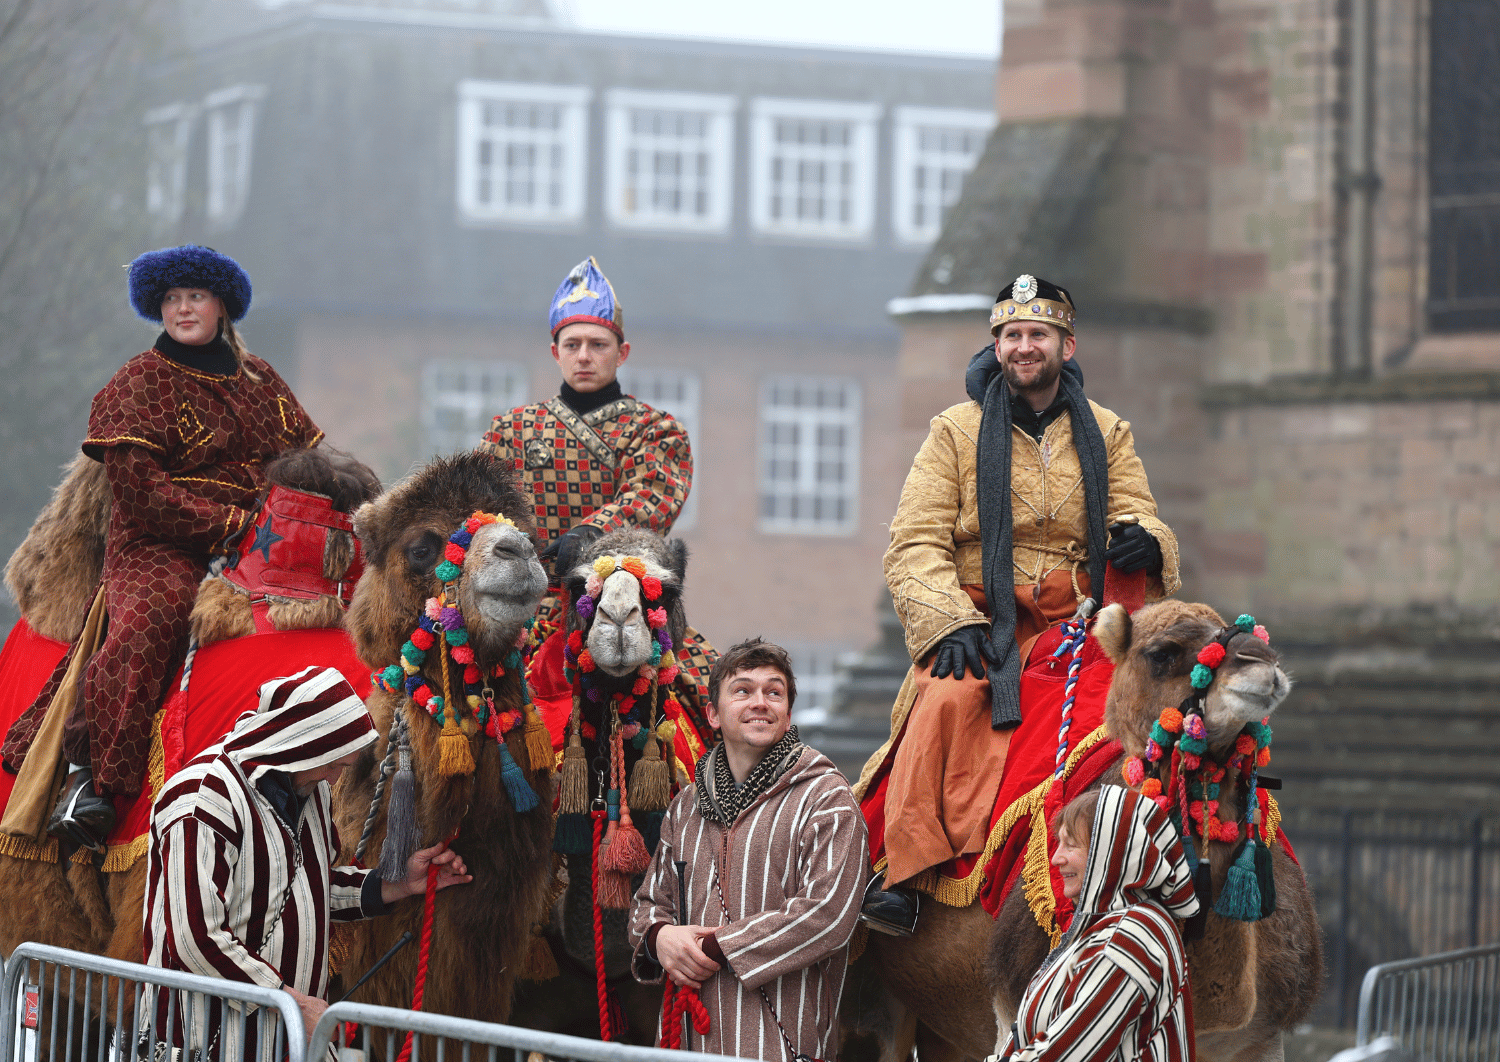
x=627, y=853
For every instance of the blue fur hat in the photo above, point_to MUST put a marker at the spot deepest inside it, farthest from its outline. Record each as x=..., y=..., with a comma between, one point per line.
x=188, y=266
x=586, y=295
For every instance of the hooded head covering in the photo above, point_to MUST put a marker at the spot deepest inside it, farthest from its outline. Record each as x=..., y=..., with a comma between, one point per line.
x=586, y=296
x=304, y=721
x=1135, y=855
x=188, y=266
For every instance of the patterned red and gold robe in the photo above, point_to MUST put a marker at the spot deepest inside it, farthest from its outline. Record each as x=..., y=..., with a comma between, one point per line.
x=185, y=453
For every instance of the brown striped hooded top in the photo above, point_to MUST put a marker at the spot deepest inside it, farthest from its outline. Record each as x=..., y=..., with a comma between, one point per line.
x=1114, y=988
x=783, y=882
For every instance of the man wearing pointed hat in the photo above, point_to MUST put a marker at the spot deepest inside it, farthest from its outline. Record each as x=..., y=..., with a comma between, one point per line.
x=1011, y=509
x=596, y=459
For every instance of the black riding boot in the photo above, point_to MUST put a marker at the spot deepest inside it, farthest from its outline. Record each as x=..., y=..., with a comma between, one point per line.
x=82, y=815
x=892, y=911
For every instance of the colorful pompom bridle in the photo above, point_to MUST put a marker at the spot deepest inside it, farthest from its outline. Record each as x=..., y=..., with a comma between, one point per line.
x=578, y=663
x=1180, y=737
x=443, y=618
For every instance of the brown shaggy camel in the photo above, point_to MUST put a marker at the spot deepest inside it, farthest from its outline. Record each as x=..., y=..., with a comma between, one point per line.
x=53, y=573
x=960, y=977
x=619, y=638
x=481, y=931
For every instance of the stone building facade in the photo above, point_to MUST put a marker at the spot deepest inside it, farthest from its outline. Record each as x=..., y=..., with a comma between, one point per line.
x=409, y=181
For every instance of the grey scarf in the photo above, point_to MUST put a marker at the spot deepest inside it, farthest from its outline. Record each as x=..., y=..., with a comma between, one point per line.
x=986, y=385
x=720, y=800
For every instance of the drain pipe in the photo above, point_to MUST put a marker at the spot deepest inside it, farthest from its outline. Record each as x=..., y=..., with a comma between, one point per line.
x=1359, y=184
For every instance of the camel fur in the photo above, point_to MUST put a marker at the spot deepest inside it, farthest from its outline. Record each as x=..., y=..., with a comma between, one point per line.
x=964, y=975
x=53, y=573
x=68, y=903
x=481, y=930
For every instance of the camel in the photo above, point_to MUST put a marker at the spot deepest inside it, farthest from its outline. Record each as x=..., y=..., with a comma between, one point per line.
x=491, y=797
x=65, y=899
x=958, y=980
x=618, y=629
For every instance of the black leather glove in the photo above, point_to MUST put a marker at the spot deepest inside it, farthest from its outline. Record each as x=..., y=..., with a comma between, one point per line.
x=1133, y=548
x=967, y=647
x=565, y=550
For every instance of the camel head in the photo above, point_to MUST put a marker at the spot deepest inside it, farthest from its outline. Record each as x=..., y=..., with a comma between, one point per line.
x=1154, y=652
x=617, y=622
x=299, y=555
x=406, y=532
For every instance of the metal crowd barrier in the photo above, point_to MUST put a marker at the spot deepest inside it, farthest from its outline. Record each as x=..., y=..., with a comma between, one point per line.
x=69, y=1006
x=440, y=1038
x=1444, y=1008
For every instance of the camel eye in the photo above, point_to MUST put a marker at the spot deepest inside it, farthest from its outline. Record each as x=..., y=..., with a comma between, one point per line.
x=422, y=555
x=1162, y=658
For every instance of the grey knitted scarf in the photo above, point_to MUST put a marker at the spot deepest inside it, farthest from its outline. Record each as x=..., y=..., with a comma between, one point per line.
x=720, y=800
x=986, y=385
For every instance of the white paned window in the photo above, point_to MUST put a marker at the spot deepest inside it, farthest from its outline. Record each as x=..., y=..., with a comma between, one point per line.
x=670, y=160
x=678, y=394
x=460, y=398
x=167, y=132
x=231, y=138
x=813, y=168
x=935, y=150
x=522, y=151
x=816, y=668
x=809, y=455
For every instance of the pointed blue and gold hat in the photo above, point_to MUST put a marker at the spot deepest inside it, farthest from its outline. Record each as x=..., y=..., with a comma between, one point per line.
x=586, y=296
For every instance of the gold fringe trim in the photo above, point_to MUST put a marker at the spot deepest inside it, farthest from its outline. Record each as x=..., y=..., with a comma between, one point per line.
x=961, y=892
x=25, y=848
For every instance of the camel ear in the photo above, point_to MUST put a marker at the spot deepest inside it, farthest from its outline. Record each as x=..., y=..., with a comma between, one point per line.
x=1113, y=630
x=677, y=557
x=365, y=521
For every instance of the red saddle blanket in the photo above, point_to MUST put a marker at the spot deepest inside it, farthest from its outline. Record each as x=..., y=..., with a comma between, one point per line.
x=225, y=679
x=1018, y=845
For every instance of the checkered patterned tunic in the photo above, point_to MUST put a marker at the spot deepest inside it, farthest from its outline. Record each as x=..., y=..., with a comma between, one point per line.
x=622, y=465
x=639, y=477
x=185, y=453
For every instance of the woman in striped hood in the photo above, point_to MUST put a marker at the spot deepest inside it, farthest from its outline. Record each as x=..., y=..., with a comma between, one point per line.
x=1116, y=987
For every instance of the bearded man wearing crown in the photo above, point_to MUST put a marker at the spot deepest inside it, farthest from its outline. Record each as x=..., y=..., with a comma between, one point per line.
x=1011, y=509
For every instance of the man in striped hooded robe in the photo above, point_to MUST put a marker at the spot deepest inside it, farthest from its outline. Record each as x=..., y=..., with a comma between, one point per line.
x=1115, y=989
x=241, y=881
x=773, y=860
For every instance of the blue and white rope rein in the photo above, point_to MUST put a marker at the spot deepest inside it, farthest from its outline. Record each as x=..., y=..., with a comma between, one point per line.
x=1075, y=634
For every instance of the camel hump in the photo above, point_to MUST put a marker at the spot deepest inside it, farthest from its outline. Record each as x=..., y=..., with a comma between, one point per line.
x=53, y=572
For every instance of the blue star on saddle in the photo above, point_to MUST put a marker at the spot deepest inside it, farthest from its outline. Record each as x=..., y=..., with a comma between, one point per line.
x=265, y=538
x=586, y=295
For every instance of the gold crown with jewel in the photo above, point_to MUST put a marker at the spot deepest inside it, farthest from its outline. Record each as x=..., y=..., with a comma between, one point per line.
x=1030, y=299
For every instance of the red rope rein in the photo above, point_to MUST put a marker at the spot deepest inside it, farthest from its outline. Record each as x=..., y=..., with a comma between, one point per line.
x=604, y=1030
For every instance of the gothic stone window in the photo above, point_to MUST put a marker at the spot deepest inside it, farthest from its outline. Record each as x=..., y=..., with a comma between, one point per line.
x=670, y=160
x=809, y=455
x=460, y=398
x=522, y=151
x=813, y=168
x=935, y=150
x=1464, y=167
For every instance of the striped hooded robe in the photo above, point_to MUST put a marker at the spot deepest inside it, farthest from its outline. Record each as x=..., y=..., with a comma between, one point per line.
x=782, y=882
x=1114, y=989
x=226, y=895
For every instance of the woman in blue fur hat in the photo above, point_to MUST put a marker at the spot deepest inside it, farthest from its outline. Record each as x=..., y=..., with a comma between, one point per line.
x=184, y=432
